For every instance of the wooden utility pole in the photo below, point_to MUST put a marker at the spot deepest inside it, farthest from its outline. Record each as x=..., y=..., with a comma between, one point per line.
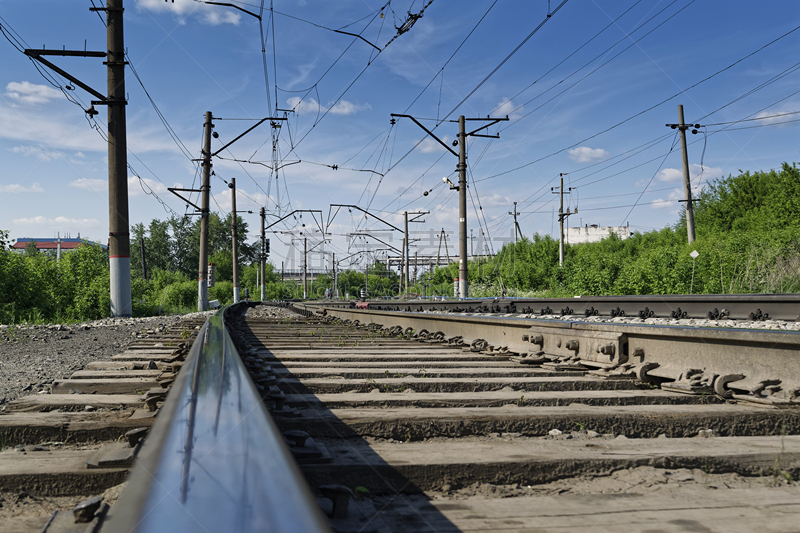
x=261, y=255
x=234, y=243
x=205, y=188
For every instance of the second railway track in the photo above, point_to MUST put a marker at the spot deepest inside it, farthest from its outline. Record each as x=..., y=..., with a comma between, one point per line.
x=436, y=436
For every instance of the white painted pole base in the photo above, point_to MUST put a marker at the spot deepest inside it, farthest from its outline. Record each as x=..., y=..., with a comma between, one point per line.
x=462, y=289
x=236, y=295
x=120, y=270
x=202, y=295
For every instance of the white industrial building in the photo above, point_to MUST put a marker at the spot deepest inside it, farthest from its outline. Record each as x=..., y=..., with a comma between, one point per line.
x=594, y=233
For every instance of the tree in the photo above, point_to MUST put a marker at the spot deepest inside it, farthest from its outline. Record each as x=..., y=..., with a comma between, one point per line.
x=31, y=249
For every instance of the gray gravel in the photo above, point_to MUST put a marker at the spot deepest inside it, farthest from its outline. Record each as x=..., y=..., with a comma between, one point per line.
x=32, y=357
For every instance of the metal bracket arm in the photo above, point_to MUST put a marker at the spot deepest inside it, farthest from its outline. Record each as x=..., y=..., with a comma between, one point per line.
x=173, y=189
x=429, y=132
x=36, y=54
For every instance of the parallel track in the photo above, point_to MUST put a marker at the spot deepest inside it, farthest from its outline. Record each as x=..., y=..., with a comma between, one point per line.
x=704, y=306
x=399, y=416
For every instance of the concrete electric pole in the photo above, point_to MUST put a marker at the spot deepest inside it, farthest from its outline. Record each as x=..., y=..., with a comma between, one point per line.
x=305, y=267
x=463, y=288
x=205, y=189
x=687, y=183
x=516, y=226
x=562, y=215
x=261, y=254
x=119, y=243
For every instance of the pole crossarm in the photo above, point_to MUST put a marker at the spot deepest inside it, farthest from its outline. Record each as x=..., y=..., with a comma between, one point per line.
x=248, y=130
x=36, y=55
x=377, y=239
x=429, y=132
x=417, y=215
x=299, y=211
x=368, y=213
x=173, y=189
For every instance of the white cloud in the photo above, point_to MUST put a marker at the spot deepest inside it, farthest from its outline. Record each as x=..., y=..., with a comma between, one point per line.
x=495, y=200
x=219, y=16
x=309, y=105
x=39, y=152
x=670, y=203
x=584, y=154
x=213, y=15
x=30, y=93
x=16, y=188
x=57, y=221
x=430, y=146
x=776, y=119
x=507, y=107
x=674, y=175
x=138, y=187
x=343, y=107
x=94, y=185
x=670, y=175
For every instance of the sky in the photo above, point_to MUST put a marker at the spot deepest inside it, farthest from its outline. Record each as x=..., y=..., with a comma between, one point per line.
x=588, y=88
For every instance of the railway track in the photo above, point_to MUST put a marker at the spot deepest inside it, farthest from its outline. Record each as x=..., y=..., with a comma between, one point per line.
x=753, y=307
x=81, y=439
x=440, y=433
x=376, y=420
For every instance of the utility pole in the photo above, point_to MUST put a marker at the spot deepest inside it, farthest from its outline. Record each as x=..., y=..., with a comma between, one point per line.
x=687, y=184
x=516, y=226
x=119, y=243
x=305, y=259
x=561, y=216
x=261, y=255
x=234, y=243
x=406, y=256
x=205, y=188
x=335, y=291
x=463, y=290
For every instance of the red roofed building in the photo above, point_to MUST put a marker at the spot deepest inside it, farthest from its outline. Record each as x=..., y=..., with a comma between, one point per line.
x=52, y=244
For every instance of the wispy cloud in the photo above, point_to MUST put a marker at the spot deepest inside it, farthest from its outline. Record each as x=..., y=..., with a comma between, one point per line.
x=56, y=221
x=214, y=15
x=309, y=105
x=30, y=93
x=18, y=188
x=39, y=152
x=584, y=154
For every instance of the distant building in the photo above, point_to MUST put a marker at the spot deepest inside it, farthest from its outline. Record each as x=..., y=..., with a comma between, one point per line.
x=595, y=233
x=53, y=243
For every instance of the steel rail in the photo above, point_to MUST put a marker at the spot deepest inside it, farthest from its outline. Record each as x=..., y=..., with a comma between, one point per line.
x=214, y=459
x=715, y=306
x=761, y=366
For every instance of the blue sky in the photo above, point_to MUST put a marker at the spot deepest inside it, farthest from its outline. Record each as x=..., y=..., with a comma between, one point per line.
x=587, y=94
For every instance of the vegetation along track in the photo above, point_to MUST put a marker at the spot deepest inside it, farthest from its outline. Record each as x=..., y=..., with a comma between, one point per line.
x=434, y=429
x=81, y=438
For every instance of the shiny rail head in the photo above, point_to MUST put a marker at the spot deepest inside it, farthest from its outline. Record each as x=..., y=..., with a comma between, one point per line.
x=214, y=460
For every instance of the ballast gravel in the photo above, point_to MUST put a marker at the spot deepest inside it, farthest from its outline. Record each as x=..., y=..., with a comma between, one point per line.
x=32, y=357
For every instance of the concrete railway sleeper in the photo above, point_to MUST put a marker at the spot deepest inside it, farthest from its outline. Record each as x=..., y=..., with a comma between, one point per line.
x=361, y=420
x=82, y=437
